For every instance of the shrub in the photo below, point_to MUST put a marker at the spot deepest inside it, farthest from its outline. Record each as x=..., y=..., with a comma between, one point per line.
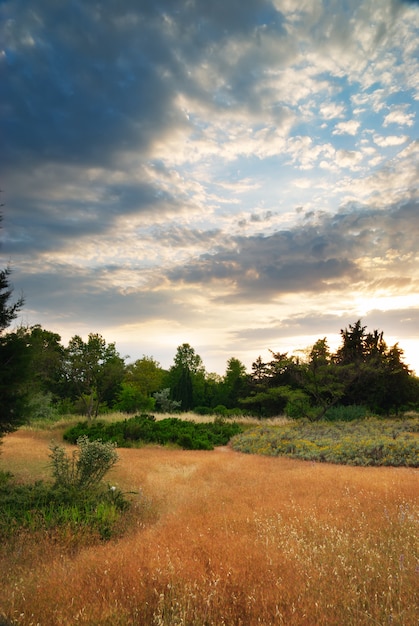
x=203, y=410
x=349, y=413
x=86, y=467
x=163, y=400
x=145, y=429
x=130, y=400
x=358, y=442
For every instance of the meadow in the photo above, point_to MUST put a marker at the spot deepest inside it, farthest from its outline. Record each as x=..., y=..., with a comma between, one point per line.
x=222, y=538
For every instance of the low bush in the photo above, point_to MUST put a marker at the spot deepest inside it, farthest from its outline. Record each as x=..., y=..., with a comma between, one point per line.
x=77, y=500
x=358, y=442
x=348, y=413
x=142, y=429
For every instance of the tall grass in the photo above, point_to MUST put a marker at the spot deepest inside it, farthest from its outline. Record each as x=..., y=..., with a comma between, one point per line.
x=233, y=539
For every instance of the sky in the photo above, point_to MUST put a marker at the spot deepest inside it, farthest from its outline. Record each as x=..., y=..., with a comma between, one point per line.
x=239, y=175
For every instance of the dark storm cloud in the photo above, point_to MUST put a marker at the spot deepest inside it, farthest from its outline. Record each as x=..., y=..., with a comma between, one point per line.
x=40, y=222
x=79, y=84
x=311, y=257
x=83, y=80
x=74, y=296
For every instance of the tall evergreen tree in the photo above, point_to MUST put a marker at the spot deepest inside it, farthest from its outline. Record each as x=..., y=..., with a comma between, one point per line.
x=187, y=377
x=13, y=360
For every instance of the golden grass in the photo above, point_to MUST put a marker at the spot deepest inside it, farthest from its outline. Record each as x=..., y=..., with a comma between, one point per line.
x=235, y=540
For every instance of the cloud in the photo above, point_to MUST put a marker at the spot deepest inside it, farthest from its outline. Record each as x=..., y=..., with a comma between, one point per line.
x=398, y=115
x=390, y=140
x=350, y=127
x=194, y=162
x=328, y=255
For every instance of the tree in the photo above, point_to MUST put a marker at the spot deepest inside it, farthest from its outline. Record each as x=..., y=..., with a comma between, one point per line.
x=321, y=380
x=13, y=360
x=166, y=404
x=93, y=372
x=260, y=371
x=8, y=311
x=43, y=364
x=187, y=377
x=14, y=374
x=352, y=350
x=234, y=383
x=46, y=355
x=379, y=379
x=146, y=375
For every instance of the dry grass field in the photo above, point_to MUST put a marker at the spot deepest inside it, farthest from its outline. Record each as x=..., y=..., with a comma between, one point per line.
x=222, y=538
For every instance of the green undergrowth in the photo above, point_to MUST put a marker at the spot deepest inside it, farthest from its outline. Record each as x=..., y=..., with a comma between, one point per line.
x=143, y=429
x=76, y=502
x=91, y=514
x=366, y=442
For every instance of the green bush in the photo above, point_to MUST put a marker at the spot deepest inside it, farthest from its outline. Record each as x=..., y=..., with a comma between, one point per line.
x=77, y=498
x=130, y=400
x=86, y=467
x=145, y=429
x=203, y=410
x=348, y=413
x=88, y=513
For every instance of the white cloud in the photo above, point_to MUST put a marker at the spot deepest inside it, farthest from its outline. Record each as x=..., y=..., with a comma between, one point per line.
x=350, y=127
x=389, y=140
x=398, y=115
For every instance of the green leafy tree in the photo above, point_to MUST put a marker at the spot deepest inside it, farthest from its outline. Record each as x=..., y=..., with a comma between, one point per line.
x=93, y=372
x=268, y=402
x=131, y=400
x=281, y=370
x=146, y=375
x=14, y=376
x=45, y=360
x=353, y=348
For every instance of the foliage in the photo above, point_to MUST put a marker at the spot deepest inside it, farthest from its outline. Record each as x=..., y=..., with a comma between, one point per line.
x=93, y=371
x=14, y=376
x=267, y=402
x=379, y=377
x=164, y=401
x=187, y=377
x=40, y=506
x=39, y=377
x=348, y=413
x=8, y=312
x=41, y=406
x=146, y=429
x=77, y=499
x=145, y=375
x=14, y=372
x=130, y=399
x=86, y=467
x=234, y=383
x=360, y=442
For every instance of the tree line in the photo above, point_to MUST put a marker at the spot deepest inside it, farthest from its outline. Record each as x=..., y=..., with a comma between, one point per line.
x=40, y=377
